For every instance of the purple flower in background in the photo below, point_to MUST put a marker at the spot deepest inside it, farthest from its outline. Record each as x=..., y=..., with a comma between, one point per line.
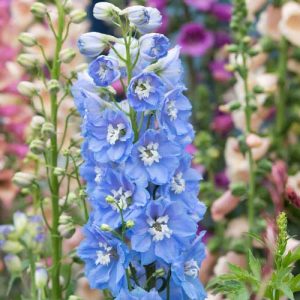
x=202, y=5
x=159, y=4
x=222, y=123
x=219, y=71
x=222, y=38
x=194, y=39
x=221, y=180
x=222, y=11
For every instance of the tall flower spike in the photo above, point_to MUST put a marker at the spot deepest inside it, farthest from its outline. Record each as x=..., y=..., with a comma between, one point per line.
x=142, y=189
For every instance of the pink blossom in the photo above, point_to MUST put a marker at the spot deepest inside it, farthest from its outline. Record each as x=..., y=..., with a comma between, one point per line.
x=195, y=40
x=219, y=71
x=202, y=5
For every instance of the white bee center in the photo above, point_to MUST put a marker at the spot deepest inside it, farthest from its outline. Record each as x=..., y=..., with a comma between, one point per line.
x=114, y=134
x=143, y=89
x=172, y=111
x=123, y=199
x=103, y=255
x=178, y=183
x=191, y=268
x=149, y=154
x=159, y=228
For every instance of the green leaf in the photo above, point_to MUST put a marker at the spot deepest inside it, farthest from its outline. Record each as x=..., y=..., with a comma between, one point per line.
x=295, y=284
x=254, y=265
x=286, y=291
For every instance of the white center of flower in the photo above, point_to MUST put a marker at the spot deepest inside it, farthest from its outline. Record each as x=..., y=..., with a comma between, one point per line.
x=191, y=268
x=172, y=111
x=149, y=154
x=103, y=255
x=123, y=199
x=102, y=71
x=113, y=134
x=143, y=89
x=159, y=228
x=178, y=183
x=99, y=174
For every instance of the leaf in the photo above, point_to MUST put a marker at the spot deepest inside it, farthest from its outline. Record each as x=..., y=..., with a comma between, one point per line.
x=286, y=291
x=254, y=265
x=295, y=284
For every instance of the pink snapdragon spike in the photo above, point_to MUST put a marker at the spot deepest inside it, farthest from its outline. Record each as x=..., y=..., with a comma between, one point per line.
x=195, y=40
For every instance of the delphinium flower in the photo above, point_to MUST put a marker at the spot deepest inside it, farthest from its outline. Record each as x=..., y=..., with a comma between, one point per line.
x=143, y=229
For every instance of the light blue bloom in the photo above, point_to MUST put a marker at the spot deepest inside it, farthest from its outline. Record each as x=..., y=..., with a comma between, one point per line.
x=128, y=196
x=138, y=294
x=163, y=232
x=169, y=69
x=184, y=187
x=185, y=271
x=154, y=158
x=106, y=258
x=145, y=19
x=153, y=46
x=146, y=92
x=110, y=137
x=92, y=44
x=104, y=70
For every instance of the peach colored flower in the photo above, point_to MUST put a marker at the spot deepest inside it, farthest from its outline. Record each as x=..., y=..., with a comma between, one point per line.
x=237, y=227
x=253, y=6
x=290, y=22
x=232, y=258
x=224, y=205
x=85, y=292
x=268, y=23
x=207, y=266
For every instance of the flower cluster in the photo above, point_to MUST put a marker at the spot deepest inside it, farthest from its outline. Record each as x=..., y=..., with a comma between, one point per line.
x=141, y=239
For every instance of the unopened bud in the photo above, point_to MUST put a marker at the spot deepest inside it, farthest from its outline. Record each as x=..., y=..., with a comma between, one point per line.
x=40, y=277
x=20, y=222
x=53, y=86
x=258, y=89
x=238, y=189
x=130, y=224
x=81, y=68
x=48, y=129
x=74, y=297
x=67, y=55
x=27, y=88
x=110, y=199
x=39, y=9
x=66, y=226
x=105, y=227
x=28, y=61
x=37, y=122
x=13, y=263
x=232, y=48
x=253, y=141
x=59, y=171
x=37, y=146
x=12, y=247
x=159, y=272
x=27, y=39
x=77, y=16
x=23, y=179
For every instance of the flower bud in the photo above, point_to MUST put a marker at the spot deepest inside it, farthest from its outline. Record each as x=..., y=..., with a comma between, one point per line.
x=105, y=227
x=28, y=61
x=130, y=224
x=39, y=9
x=53, y=86
x=23, y=179
x=110, y=199
x=13, y=247
x=59, y=171
x=37, y=122
x=92, y=44
x=253, y=141
x=40, y=277
x=80, y=68
x=232, y=48
x=238, y=189
x=27, y=88
x=48, y=129
x=258, y=89
x=74, y=297
x=37, y=146
x=68, y=5
x=13, y=263
x=105, y=11
x=159, y=272
x=66, y=226
x=77, y=16
x=20, y=222
x=27, y=39
x=67, y=55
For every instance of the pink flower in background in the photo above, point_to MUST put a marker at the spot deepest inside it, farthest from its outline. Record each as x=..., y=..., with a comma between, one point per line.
x=222, y=123
x=159, y=4
x=221, y=180
x=222, y=11
x=222, y=38
x=219, y=72
x=194, y=39
x=202, y=5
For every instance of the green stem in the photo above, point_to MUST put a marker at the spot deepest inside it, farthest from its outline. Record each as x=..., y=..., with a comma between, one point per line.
x=32, y=275
x=248, y=112
x=55, y=236
x=281, y=97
